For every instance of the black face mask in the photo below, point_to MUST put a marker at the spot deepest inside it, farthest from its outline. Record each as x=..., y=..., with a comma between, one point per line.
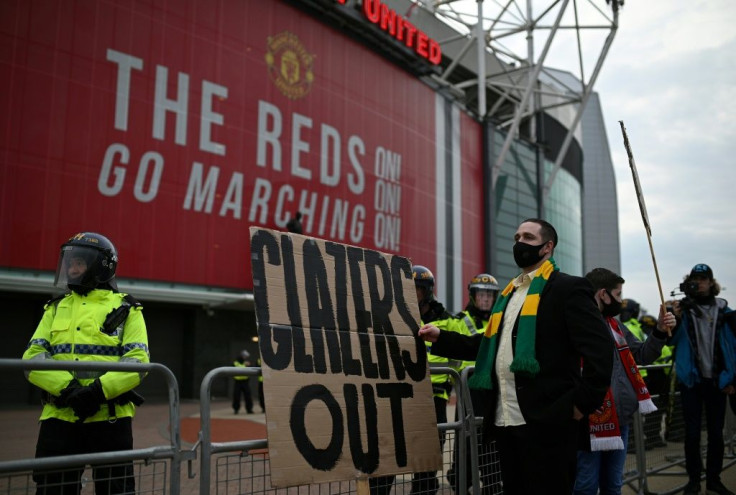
x=526, y=254
x=613, y=308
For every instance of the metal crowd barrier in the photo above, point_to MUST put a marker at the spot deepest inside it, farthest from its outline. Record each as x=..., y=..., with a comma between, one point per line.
x=149, y=463
x=656, y=461
x=243, y=466
x=239, y=467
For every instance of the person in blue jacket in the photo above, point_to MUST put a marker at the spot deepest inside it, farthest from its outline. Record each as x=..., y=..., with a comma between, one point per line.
x=705, y=366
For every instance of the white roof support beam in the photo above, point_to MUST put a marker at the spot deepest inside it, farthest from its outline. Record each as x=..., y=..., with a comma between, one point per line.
x=531, y=83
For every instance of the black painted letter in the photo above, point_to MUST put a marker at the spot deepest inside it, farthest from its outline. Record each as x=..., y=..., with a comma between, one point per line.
x=366, y=462
x=322, y=459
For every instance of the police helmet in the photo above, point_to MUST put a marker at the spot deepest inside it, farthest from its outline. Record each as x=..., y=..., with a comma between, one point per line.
x=242, y=356
x=422, y=277
x=648, y=323
x=87, y=260
x=629, y=310
x=482, y=281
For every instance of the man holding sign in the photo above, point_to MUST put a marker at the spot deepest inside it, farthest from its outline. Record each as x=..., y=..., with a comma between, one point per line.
x=543, y=325
x=342, y=366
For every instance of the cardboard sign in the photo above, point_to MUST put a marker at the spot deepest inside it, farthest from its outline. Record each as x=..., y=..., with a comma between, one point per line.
x=346, y=382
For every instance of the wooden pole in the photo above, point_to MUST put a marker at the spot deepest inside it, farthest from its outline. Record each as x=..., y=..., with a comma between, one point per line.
x=643, y=210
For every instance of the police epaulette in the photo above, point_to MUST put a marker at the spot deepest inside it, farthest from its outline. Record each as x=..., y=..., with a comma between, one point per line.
x=132, y=301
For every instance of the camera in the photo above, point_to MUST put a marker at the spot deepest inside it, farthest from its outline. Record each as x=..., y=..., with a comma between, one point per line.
x=689, y=288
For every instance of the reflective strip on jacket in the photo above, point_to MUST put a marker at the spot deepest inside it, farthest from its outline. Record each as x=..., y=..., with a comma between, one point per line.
x=467, y=327
x=634, y=326
x=238, y=364
x=70, y=330
x=440, y=385
x=464, y=325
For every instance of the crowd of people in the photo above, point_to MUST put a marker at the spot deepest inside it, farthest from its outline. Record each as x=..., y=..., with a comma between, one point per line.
x=555, y=379
x=558, y=360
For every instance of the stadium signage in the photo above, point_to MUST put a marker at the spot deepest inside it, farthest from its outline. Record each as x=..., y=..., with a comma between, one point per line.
x=401, y=29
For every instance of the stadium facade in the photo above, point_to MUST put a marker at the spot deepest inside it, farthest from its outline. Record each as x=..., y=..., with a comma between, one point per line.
x=175, y=128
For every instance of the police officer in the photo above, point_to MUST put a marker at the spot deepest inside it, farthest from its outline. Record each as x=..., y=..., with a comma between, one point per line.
x=482, y=292
x=88, y=411
x=430, y=310
x=242, y=384
x=629, y=316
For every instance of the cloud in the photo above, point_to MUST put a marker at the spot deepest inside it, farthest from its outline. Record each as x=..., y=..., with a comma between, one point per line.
x=670, y=78
x=660, y=30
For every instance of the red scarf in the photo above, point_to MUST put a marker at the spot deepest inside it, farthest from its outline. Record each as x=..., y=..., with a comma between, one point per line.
x=605, y=433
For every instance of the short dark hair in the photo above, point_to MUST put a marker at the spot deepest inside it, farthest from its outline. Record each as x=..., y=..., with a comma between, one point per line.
x=547, y=230
x=603, y=278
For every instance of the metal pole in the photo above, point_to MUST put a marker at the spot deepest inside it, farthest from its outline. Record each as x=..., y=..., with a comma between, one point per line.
x=530, y=57
x=481, y=43
x=533, y=76
x=584, y=101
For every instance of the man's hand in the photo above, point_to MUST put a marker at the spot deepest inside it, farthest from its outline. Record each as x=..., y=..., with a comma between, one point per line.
x=429, y=333
x=666, y=322
x=85, y=400
x=729, y=390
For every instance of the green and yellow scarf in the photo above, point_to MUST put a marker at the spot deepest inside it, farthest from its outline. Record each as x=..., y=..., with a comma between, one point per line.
x=525, y=361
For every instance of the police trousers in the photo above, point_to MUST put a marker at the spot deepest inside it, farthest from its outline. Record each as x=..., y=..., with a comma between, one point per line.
x=59, y=438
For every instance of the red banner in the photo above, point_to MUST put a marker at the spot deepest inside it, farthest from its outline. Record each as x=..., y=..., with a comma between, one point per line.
x=173, y=129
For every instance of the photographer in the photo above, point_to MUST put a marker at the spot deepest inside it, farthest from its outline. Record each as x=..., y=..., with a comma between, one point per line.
x=705, y=365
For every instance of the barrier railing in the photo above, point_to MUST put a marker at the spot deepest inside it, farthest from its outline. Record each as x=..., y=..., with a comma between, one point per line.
x=172, y=452
x=656, y=462
x=245, y=468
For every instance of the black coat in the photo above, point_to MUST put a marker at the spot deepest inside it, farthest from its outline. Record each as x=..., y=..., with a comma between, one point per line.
x=569, y=328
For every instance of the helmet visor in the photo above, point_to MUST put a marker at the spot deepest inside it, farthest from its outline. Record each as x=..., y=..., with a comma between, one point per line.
x=76, y=267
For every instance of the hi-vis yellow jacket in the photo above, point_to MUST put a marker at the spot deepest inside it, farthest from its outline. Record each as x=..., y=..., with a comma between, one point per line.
x=70, y=330
x=238, y=364
x=464, y=325
x=440, y=382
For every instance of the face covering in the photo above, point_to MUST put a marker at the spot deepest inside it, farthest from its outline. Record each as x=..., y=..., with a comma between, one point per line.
x=613, y=308
x=526, y=254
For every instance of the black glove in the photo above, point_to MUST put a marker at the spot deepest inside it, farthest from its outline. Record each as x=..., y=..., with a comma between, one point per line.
x=85, y=400
x=63, y=399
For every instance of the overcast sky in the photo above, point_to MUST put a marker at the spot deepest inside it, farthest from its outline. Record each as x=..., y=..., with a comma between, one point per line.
x=671, y=77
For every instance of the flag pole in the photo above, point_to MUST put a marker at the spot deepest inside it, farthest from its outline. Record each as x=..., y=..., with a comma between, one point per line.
x=643, y=209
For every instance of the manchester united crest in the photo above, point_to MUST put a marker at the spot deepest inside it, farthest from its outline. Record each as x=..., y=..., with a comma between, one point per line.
x=289, y=65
